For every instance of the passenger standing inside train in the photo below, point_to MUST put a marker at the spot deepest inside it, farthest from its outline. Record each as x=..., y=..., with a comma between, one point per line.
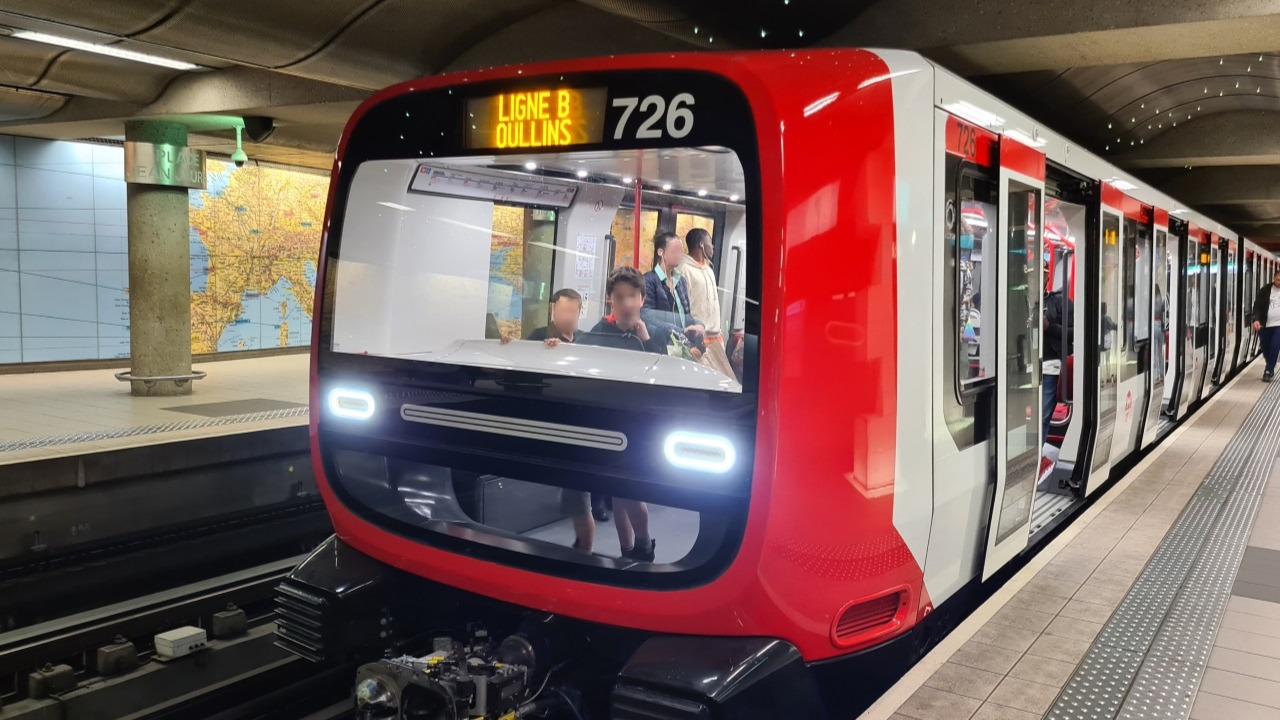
x=1059, y=332
x=704, y=297
x=1266, y=322
x=665, y=289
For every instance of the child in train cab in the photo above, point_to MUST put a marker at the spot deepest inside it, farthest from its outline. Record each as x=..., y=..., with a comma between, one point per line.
x=566, y=309
x=630, y=327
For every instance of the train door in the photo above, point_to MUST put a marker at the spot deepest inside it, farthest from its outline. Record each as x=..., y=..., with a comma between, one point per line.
x=1189, y=349
x=1201, y=331
x=1159, y=324
x=1018, y=402
x=1107, y=347
x=1225, y=335
x=1134, y=332
x=1216, y=329
x=1232, y=357
x=1249, y=288
x=1177, y=284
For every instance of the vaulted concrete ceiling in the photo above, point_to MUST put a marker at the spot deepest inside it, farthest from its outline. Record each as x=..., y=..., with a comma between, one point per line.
x=1183, y=92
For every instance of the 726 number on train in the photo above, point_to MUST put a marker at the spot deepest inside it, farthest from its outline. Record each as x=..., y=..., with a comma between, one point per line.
x=653, y=108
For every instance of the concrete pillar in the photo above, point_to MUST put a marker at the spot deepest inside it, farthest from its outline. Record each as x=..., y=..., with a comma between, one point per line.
x=159, y=271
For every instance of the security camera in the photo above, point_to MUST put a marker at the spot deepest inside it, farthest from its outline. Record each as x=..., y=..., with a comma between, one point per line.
x=238, y=157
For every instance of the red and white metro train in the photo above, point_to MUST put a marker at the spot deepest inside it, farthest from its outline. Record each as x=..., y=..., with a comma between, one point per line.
x=883, y=237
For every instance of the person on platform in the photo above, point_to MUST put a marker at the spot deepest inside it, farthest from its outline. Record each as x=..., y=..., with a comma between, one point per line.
x=1266, y=322
x=704, y=297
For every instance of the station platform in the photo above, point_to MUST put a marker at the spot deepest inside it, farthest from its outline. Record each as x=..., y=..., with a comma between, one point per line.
x=1161, y=601
x=69, y=413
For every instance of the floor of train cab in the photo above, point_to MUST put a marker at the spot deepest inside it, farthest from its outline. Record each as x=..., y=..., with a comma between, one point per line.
x=675, y=531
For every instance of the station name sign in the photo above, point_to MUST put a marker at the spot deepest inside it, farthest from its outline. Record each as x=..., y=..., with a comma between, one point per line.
x=538, y=118
x=160, y=164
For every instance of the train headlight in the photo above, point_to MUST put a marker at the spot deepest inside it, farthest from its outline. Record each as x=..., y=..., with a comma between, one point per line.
x=375, y=700
x=694, y=451
x=353, y=404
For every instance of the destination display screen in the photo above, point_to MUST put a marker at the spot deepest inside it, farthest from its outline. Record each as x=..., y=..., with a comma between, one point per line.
x=537, y=118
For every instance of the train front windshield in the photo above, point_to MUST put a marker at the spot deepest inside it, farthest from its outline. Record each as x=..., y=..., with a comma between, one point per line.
x=551, y=303
x=460, y=259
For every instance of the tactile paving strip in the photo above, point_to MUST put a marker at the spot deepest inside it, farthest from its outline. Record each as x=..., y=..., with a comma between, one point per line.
x=1149, y=657
x=112, y=434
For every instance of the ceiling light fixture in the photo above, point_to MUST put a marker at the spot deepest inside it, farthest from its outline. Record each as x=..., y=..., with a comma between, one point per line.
x=108, y=50
x=974, y=114
x=666, y=187
x=1025, y=138
x=733, y=197
x=582, y=173
x=531, y=166
x=702, y=193
x=626, y=179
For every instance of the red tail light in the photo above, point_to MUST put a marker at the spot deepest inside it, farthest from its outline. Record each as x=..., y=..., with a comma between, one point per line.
x=865, y=620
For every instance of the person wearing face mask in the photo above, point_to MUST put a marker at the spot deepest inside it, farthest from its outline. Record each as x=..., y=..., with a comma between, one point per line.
x=699, y=278
x=666, y=291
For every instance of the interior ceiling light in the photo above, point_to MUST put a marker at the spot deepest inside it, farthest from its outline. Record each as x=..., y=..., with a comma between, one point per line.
x=666, y=187
x=582, y=173
x=108, y=50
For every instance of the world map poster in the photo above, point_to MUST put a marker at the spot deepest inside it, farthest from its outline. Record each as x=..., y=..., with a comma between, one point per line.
x=64, y=274
x=255, y=235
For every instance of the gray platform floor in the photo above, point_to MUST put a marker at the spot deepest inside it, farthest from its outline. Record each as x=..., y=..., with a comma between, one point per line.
x=45, y=415
x=1012, y=658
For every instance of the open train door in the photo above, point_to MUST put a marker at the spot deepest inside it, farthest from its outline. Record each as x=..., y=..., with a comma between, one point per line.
x=1163, y=313
x=1108, y=340
x=1021, y=286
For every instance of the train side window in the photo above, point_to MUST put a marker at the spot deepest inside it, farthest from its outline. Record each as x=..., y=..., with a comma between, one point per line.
x=629, y=241
x=521, y=267
x=687, y=221
x=971, y=218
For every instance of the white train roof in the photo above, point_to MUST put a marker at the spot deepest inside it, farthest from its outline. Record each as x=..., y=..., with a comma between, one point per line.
x=950, y=89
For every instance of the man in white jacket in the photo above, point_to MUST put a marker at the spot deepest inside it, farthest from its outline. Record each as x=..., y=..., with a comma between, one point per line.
x=704, y=297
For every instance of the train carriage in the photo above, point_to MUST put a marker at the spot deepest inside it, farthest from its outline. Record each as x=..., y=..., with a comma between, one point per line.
x=882, y=239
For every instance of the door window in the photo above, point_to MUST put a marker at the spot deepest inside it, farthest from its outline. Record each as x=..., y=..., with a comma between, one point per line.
x=1022, y=384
